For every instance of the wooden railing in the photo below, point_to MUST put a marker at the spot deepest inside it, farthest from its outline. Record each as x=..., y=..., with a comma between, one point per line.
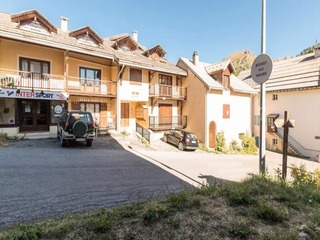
x=42, y=81
x=167, y=91
x=33, y=81
x=85, y=86
x=165, y=123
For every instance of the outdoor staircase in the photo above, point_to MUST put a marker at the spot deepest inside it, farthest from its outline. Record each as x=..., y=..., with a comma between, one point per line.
x=293, y=145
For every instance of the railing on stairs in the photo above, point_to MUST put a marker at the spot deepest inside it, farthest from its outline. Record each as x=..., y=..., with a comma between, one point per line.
x=143, y=132
x=294, y=144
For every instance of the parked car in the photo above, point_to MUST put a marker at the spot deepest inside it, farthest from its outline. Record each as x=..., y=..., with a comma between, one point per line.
x=76, y=126
x=182, y=139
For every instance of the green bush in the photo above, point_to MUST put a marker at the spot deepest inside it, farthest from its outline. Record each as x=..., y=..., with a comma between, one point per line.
x=234, y=146
x=221, y=142
x=249, y=145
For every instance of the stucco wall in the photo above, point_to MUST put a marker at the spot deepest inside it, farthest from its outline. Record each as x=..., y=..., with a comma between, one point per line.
x=194, y=106
x=11, y=51
x=240, y=114
x=75, y=64
x=303, y=108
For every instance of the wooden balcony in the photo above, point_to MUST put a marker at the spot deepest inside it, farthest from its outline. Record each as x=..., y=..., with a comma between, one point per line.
x=31, y=81
x=166, y=123
x=167, y=92
x=94, y=87
x=49, y=82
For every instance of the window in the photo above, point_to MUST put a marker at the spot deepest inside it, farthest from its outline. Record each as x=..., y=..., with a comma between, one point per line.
x=165, y=79
x=274, y=96
x=39, y=69
x=90, y=77
x=226, y=111
x=135, y=75
x=256, y=120
x=274, y=141
x=225, y=81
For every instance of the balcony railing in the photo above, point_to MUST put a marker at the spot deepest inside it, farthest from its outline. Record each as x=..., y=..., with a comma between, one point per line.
x=166, y=91
x=165, y=123
x=85, y=86
x=32, y=81
x=42, y=81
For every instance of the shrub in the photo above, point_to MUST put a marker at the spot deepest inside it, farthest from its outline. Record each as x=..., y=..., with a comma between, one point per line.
x=221, y=142
x=269, y=214
x=234, y=146
x=301, y=177
x=249, y=145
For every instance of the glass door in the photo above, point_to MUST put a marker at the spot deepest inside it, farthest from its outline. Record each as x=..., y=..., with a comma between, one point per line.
x=34, y=115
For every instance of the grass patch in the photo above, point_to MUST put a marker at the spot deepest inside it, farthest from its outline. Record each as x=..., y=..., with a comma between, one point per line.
x=257, y=208
x=4, y=139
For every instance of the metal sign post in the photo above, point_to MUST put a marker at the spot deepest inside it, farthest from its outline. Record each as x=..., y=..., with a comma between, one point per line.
x=260, y=72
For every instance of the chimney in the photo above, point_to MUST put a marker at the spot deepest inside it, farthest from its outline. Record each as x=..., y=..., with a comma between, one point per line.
x=64, y=24
x=195, y=58
x=135, y=35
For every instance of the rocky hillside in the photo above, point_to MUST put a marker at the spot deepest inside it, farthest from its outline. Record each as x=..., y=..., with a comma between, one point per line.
x=242, y=60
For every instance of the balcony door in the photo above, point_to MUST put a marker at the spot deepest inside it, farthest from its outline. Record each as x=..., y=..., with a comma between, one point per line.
x=35, y=73
x=35, y=115
x=165, y=114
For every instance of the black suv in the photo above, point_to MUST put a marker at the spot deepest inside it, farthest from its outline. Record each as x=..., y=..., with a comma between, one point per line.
x=76, y=126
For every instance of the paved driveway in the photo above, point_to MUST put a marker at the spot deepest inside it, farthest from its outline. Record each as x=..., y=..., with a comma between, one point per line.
x=200, y=167
x=39, y=179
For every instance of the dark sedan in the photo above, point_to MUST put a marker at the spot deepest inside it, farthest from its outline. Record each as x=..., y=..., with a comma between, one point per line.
x=182, y=139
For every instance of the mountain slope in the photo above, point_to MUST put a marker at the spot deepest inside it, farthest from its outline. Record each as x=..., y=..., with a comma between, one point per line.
x=242, y=60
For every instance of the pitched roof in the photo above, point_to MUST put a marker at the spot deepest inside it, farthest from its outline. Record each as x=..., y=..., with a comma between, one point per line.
x=290, y=74
x=136, y=58
x=158, y=49
x=239, y=86
x=222, y=65
x=87, y=30
x=201, y=73
x=34, y=15
x=58, y=39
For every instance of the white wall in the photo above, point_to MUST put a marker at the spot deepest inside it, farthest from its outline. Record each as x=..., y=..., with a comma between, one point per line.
x=304, y=108
x=133, y=92
x=240, y=114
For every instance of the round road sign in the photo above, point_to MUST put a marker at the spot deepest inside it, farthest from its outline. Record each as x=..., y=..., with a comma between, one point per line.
x=261, y=68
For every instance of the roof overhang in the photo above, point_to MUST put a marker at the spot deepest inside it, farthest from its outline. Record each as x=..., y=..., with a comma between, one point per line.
x=150, y=67
x=48, y=43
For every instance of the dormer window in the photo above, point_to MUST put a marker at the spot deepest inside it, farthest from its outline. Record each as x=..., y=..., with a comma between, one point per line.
x=125, y=44
x=33, y=21
x=155, y=52
x=33, y=26
x=87, y=36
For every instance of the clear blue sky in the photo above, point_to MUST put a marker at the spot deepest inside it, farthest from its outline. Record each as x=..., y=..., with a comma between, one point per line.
x=214, y=28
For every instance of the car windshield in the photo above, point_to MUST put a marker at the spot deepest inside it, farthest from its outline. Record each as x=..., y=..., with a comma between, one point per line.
x=191, y=135
x=85, y=117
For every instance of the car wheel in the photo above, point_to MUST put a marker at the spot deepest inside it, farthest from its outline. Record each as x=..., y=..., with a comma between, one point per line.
x=89, y=143
x=165, y=139
x=180, y=146
x=63, y=142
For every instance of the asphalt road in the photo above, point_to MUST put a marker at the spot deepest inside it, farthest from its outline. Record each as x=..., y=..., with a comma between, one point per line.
x=40, y=180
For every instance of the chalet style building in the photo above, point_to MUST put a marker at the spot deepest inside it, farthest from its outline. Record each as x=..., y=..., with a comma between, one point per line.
x=216, y=101
x=45, y=70
x=293, y=86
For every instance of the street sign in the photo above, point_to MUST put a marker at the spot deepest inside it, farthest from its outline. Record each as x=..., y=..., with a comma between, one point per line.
x=280, y=123
x=261, y=68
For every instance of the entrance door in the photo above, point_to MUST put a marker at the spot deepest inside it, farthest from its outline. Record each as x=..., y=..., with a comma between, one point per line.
x=125, y=114
x=165, y=114
x=212, y=134
x=34, y=115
